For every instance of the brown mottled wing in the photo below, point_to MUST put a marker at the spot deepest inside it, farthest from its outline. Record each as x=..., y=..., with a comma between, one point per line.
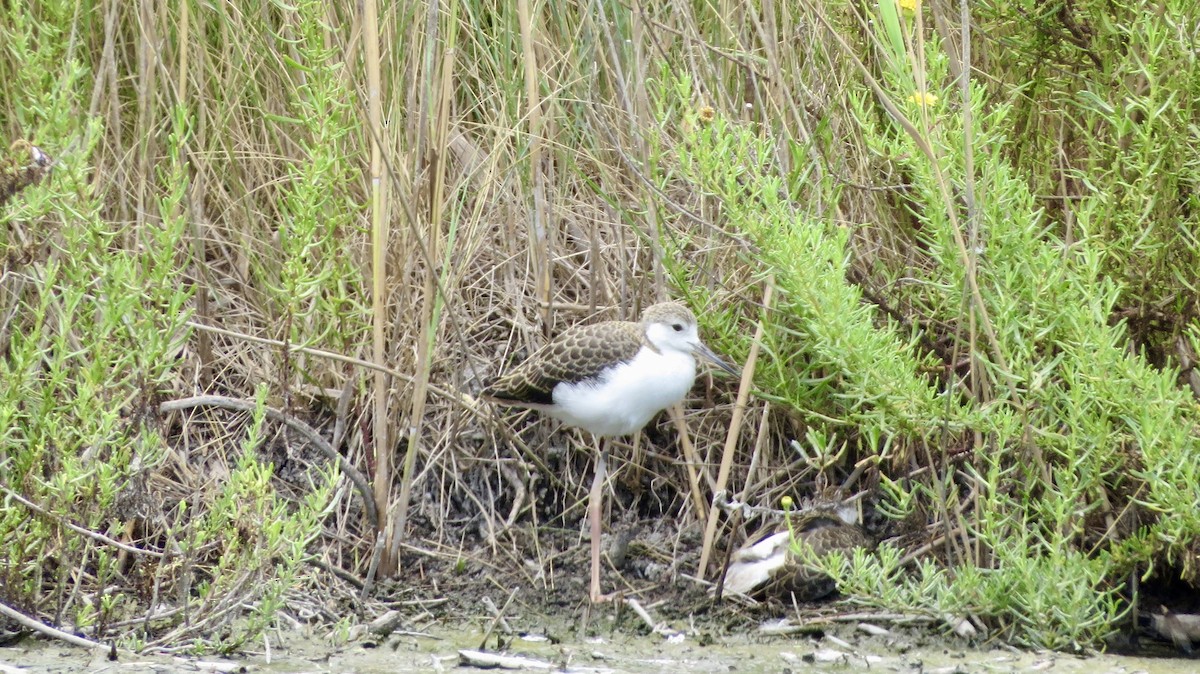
x=580, y=352
x=830, y=534
x=822, y=534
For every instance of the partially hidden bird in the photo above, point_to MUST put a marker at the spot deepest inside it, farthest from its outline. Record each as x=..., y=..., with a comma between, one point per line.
x=609, y=379
x=773, y=565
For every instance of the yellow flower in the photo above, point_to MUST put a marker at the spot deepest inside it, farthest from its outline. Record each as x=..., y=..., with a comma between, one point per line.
x=706, y=114
x=923, y=98
x=909, y=6
x=786, y=502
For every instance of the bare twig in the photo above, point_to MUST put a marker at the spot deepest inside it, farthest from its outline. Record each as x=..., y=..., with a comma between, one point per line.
x=42, y=628
x=78, y=529
x=465, y=401
x=498, y=619
x=469, y=658
x=654, y=625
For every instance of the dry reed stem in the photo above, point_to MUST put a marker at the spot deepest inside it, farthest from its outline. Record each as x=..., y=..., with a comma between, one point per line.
x=539, y=216
x=380, y=236
x=735, y=425
x=431, y=296
x=691, y=461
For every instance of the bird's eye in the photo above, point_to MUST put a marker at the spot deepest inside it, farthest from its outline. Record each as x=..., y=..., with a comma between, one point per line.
x=677, y=327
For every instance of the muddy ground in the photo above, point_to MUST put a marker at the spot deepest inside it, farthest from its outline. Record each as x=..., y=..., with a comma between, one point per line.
x=612, y=648
x=447, y=604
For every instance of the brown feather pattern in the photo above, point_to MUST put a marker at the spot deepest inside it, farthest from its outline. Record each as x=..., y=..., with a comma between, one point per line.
x=822, y=535
x=579, y=353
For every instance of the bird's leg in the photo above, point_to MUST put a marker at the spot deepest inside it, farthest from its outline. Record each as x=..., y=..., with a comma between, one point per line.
x=595, y=511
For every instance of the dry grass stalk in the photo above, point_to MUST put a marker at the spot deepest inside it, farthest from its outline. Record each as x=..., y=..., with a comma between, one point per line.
x=735, y=429
x=380, y=237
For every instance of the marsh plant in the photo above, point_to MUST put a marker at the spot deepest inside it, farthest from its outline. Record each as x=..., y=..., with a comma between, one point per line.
x=110, y=525
x=996, y=332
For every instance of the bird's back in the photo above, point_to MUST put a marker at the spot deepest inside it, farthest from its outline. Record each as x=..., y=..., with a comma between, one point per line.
x=580, y=353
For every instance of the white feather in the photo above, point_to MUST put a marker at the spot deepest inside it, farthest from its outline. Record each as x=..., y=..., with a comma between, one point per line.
x=625, y=397
x=751, y=567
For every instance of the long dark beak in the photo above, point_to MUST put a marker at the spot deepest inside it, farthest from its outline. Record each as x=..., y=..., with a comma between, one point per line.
x=708, y=354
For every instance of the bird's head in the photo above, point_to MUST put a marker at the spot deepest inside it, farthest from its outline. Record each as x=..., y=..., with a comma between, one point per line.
x=671, y=326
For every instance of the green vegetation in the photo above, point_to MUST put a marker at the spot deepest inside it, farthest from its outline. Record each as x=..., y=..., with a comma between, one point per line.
x=1084, y=462
x=982, y=290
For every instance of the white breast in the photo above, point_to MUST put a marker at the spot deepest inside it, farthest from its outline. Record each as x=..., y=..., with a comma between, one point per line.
x=627, y=396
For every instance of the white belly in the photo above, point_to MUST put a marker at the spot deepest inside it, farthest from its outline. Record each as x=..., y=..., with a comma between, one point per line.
x=628, y=396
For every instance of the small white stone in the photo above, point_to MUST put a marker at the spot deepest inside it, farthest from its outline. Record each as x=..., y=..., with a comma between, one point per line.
x=827, y=655
x=874, y=630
